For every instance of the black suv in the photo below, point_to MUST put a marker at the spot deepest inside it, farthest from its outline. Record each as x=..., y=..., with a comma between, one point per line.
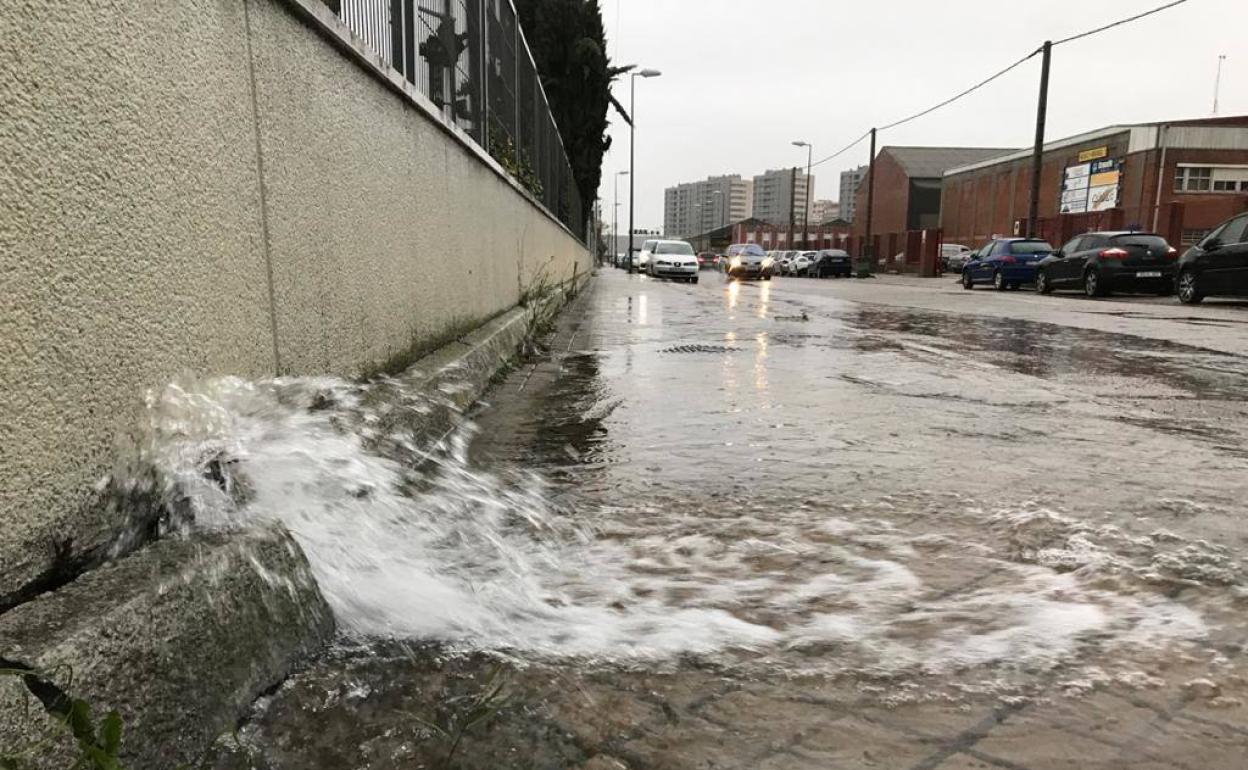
x=1218, y=265
x=1100, y=263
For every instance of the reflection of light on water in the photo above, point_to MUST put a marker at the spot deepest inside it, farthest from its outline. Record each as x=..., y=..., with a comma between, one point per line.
x=760, y=362
x=734, y=291
x=764, y=303
x=642, y=308
x=730, y=369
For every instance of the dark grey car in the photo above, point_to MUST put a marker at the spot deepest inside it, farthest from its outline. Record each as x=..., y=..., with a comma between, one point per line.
x=1218, y=265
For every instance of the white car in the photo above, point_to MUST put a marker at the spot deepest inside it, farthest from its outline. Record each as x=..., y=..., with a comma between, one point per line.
x=802, y=262
x=642, y=258
x=673, y=259
x=955, y=256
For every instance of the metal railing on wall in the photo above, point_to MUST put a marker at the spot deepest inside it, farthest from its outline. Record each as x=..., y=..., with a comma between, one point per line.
x=471, y=59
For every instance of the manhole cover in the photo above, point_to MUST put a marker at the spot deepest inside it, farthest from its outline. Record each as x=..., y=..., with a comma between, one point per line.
x=699, y=349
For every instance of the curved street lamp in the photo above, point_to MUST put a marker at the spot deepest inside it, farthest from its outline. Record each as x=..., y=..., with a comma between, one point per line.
x=806, y=213
x=632, y=157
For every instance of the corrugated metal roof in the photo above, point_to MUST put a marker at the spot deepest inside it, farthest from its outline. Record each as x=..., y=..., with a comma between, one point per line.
x=929, y=162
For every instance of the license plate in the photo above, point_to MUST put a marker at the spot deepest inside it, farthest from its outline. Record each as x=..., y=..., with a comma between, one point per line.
x=1149, y=274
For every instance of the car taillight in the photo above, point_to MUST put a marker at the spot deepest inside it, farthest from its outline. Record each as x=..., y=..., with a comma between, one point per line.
x=1009, y=260
x=1113, y=253
x=1172, y=253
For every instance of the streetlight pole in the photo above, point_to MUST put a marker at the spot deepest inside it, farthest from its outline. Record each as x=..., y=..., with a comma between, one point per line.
x=615, y=219
x=632, y=154
x=810, y=148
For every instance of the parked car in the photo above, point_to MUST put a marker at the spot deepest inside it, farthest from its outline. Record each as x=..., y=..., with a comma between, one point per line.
x=802, y=261
x=642, y=258
x=747, y=260
x=1218, y=265
x=1103, y=262
x=1006, y=263
x=673, y=259
x=954, y=256
x=781, y=258
x=832, y=262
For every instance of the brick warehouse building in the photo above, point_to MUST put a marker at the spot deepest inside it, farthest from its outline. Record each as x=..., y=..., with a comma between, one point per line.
x=907, y=189
x=1108, y=179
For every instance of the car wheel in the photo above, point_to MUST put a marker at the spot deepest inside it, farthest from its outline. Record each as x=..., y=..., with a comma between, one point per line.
x=693, y=279
x=1092, y=284
x=968, y=282
x=998, y=281
x=1042, y=283
x=1189, y=288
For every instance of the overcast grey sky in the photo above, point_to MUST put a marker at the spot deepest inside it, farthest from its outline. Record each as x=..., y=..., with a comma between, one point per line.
x=741, y=80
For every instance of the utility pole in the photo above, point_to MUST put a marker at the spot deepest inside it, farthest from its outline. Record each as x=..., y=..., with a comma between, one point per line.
x=632, y=156
x=866, y=255
x=1217, y=83
x=1037, y=157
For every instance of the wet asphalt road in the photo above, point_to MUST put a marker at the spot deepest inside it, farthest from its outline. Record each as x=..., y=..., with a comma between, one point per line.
x=844, y=524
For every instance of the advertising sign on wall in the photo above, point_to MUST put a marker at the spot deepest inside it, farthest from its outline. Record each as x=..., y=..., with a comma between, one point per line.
x=1090, y=187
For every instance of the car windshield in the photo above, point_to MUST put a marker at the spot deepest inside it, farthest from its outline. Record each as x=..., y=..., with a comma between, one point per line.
x=1148, y=241
x=648, y=245
x=675, y=248
x=1030, y=247
x=752, y=250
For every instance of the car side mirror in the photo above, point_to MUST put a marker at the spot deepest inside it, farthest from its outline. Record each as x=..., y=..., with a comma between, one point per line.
x=1059, y=253
x=1213, y=245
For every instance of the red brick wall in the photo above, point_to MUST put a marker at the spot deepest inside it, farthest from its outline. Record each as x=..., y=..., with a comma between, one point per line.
x=979, y=204
x=892, y=198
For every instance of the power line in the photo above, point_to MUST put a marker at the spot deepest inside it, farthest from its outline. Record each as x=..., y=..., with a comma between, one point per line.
x=1118, y=23
x=842, y=151
x=956, y=97
x=999, y=74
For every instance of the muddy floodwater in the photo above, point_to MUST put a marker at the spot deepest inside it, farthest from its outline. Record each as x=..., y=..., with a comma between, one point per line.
x=796, y=524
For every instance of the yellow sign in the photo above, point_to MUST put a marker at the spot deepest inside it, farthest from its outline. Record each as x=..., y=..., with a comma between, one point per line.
x=1087, y=155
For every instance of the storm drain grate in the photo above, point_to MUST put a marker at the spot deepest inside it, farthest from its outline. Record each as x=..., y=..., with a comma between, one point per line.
x=699, y=349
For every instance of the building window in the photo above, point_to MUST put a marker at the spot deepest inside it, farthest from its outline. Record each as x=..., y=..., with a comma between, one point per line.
x=1218, y=179
x=1193, y=237
x=1191, y=179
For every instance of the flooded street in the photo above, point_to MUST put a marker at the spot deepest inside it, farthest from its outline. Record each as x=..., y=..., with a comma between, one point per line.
x=804, y=524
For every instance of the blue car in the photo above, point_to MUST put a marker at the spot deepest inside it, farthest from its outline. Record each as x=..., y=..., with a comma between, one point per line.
x=1005, y=263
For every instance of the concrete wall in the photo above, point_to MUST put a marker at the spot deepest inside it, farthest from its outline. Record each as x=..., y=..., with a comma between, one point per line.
x=217, y=187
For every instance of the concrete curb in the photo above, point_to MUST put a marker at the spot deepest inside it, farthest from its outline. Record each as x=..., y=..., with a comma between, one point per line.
x=180, y=638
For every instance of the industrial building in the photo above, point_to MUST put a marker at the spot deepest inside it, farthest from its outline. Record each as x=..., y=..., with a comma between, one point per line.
x=1179, y=178
x=908, y=186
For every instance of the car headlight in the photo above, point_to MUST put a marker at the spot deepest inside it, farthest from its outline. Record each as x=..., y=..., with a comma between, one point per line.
x=768, y=262
x=736, y=262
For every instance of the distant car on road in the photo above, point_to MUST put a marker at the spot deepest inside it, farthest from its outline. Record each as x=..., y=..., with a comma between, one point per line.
x=1006, y=263
x=1218, y=265
x=1103, y=262
x=955, y=256
x=802, y=261
x=832, y=262
x=747, y=260
x=673, y=259
x=642, y=258
x=707, y=259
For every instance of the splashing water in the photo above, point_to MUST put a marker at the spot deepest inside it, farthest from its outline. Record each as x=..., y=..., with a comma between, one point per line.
x=409, y=540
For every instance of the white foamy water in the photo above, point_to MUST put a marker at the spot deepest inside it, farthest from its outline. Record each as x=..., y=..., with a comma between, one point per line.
x=441, y=550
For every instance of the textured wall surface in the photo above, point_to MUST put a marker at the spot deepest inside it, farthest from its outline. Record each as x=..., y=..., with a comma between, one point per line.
x=130, y=241
x=151, y=182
